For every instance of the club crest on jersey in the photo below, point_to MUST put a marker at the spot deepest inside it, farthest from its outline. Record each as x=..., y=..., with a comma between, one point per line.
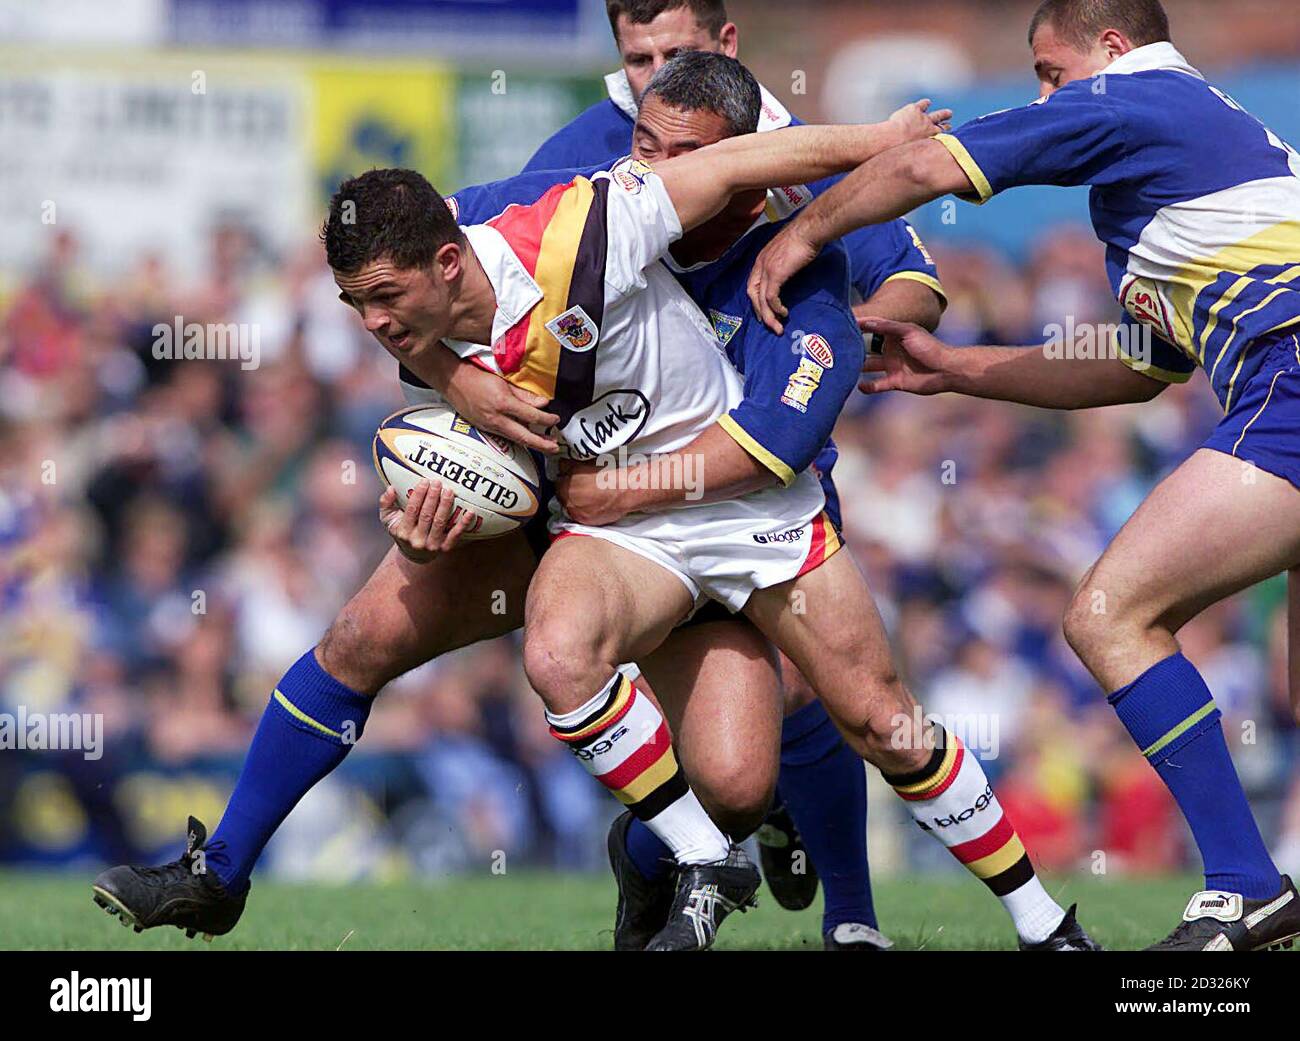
x=816, y=348
x=574, y=329
x=1143, y=301
x=630, y=175
x=725, y=326
x=454, y=206
x=803, y=384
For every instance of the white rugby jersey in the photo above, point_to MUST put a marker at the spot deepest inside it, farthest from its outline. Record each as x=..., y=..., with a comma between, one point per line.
x=589, y=319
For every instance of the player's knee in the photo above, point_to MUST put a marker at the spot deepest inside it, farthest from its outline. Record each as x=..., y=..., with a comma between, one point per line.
x=563, y=663
x=884, y=733
x=736, y=796
x=1087, y=622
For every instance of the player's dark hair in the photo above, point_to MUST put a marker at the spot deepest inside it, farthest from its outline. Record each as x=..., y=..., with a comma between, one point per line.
x=706, y=81
x=711, y=14
x=386, y=214
x=1080, y=22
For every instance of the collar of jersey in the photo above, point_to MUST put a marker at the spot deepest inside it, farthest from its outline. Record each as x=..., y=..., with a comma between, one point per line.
x=1162, y=56
x=772, y=116
x=516, y=292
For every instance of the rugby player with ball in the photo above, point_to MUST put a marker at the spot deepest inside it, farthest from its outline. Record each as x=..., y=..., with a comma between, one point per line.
x=420, y=282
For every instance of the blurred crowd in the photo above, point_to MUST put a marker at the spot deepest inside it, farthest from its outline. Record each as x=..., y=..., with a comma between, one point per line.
x=174, y=534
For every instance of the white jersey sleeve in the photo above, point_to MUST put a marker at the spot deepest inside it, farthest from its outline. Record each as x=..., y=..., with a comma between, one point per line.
x=641, y=223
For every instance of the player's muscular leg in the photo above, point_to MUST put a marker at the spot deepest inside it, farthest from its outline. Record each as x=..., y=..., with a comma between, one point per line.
x=828, y=625
x=592, y=605
x=407, y=614
x=1215, y=526
x=718, y=686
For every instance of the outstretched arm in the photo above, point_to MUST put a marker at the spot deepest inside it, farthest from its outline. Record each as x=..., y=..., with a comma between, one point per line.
x=701, y=182
x=916, y=362
x=882, y=189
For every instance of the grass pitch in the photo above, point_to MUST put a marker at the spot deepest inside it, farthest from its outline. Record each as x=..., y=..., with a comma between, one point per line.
x=563, y=912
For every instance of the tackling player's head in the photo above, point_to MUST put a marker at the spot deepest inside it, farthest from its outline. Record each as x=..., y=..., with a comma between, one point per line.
x=1076, y=39
x=651, y=32
x=697, y=99
x=397, y=256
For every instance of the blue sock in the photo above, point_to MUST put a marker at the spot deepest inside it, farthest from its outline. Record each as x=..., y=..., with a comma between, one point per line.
x=1171, y=715
x=824, y=786
x=308, y=727
x=647, y=852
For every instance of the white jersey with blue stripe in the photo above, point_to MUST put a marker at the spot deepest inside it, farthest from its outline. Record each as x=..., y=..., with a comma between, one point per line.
x=1196, y=200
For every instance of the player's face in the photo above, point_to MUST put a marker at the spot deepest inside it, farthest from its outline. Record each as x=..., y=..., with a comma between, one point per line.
x=645, y=48
x=662, y=132
x=1057, y=63
x=405, y=309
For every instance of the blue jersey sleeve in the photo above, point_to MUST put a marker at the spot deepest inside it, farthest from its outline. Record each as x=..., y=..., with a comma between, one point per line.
x=479, y=203
x=601, y=134
x=796, y=384
x=881, y=253
x=1075, y=136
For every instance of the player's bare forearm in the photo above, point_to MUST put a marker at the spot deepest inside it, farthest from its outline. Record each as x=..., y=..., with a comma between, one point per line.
x=1029, y=376
x=484, y=398
x=701, y=182
x=904, y=300
x=435, y=365
x=711, y=468
x=881, y=189
x=916, y=362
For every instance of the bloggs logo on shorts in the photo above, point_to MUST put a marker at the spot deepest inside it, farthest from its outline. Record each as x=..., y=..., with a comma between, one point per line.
x=767, y=538
x=818, y=350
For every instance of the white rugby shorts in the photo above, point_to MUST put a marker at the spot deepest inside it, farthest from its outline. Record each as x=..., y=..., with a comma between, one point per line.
x=726, y=550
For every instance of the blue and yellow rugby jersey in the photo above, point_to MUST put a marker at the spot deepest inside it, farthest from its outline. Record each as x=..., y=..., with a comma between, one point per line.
x=1198, y=204
x=795, y=384
x=603, y=133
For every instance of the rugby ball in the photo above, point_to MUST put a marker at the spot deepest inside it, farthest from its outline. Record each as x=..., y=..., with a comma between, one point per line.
x=494, y=479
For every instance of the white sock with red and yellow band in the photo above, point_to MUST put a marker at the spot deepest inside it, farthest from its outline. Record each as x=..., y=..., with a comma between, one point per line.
x=623, y=741
x=951, y=798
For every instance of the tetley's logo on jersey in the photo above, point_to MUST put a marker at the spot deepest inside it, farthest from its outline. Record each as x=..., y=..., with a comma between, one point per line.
x=574, y=329
x=816, y=348
x=725, y=326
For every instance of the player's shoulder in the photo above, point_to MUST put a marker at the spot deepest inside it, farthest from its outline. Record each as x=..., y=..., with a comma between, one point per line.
x=484, y=203
x=596, y=134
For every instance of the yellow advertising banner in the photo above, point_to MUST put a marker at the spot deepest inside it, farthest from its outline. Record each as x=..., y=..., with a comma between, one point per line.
x=382, y=115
